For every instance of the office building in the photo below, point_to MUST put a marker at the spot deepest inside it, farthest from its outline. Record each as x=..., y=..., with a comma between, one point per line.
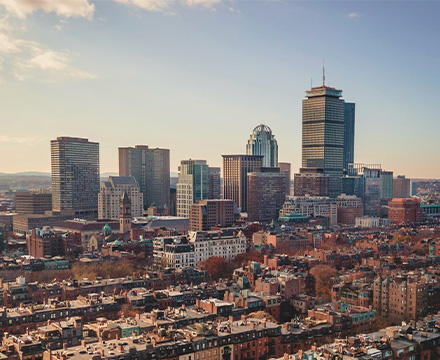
x=349, y=208
x=75, y=176
x=113, y=190
x=207, y=214
x=323, y=133
x=151, y=169
x=263, y=142
x=401, y=187
x=349, y=117
x=311, y=182
x=266, y=194
x=32, y=203
x=404, y=211
x=235, y=170
x=285, y=169
x=414, y=188
x=368, y=186
x=192, y=185
x=311, y=206
x=214, y=183
x=387, y=185
x=48, y=243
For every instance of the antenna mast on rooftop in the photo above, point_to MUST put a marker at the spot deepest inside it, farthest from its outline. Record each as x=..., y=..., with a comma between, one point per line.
x=323, y=73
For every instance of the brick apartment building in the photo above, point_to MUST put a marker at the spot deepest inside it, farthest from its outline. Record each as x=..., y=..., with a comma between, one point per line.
x=51, y=244
x=207, y=214
x=404, y=211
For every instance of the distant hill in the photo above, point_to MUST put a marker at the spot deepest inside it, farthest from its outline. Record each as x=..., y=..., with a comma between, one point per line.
x=26, y=173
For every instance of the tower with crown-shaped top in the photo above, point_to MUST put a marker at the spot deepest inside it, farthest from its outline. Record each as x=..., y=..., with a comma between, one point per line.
x=124, y=214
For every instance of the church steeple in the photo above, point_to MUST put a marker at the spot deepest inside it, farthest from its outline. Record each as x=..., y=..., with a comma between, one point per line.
x=124, y=214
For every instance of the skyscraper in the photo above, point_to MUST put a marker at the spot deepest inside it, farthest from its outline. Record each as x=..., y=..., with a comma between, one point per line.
x=323, y=133
x=262, y=142
x=401, y=187
x=266, y=194
x=213, y=183
x=285, y=169
x=75, y=176
x=387, y=185
x=192, y=185
x=151, y=169
x=349, y=116
x=235, y=170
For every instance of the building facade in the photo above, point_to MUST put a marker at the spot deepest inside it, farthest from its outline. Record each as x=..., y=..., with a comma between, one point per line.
x=401, y=187
x=404, y=211
x=214, y=183
x=349, y=208
x=207, y=214
x=349, y=117
x=311, y=206
x=386, y=178
x=32, y=203
x=75, y=176
x=192, y=185
x=311, y=182
x=263, y=142
x=285, y=168
x=323, y=132
x=235, y=182
x=113, y=190
x=151, y=169
x=266, y=194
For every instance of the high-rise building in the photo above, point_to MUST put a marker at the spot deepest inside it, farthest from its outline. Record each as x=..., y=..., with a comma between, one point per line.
x=151, y=169
x=210, y=213
x=387, y=185
x=369, y=185
x=113, y=190
x=311, y=182
x=349, y=116
x=32, y=203
x=266, y=194
x=285, y=169
x=262, y=142
x=414, y=188
x=75, y=176
x=401, y=187
x=213, y=183
x=192, y=185
x=323, y=134
x=235, y=182
x=349, y=208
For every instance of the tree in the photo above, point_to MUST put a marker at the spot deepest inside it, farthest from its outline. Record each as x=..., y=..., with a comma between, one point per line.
x=323, y=275
x=244, y=258
x=217, y=267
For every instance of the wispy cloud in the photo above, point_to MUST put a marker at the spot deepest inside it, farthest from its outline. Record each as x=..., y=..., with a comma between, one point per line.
x=354, y=15
x=27, y=59
x=19, y=140
x=66, y=8
x=150, y=5
x=205, y=3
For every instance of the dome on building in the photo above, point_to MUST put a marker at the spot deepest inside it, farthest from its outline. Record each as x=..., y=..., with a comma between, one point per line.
x=106, y=229
x=263, y=142
x=262, y=128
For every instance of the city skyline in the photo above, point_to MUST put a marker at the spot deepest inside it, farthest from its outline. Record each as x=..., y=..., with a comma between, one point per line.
x=238, y=65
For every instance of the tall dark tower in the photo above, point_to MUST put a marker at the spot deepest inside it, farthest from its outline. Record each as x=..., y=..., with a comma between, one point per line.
x=124, y=214
x=323, y=131
x=349, y=116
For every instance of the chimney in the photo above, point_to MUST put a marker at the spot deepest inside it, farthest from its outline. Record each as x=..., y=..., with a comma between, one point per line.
x=286, y=356
x=121, y=347
x=64, y=346
x=83, y=343
x=231, y=318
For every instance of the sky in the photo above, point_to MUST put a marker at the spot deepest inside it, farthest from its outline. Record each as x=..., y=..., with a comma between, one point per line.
x=196, y=76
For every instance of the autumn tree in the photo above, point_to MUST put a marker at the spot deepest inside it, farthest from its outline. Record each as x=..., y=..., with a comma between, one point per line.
x=217, y=267
x=244, y=258
x=323, y=275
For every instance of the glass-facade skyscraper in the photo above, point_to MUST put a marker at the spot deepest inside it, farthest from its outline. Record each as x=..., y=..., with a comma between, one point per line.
x=263, y=142
x=349, y=116
x=323, y=132
x=75, y=176
x=192, y=185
